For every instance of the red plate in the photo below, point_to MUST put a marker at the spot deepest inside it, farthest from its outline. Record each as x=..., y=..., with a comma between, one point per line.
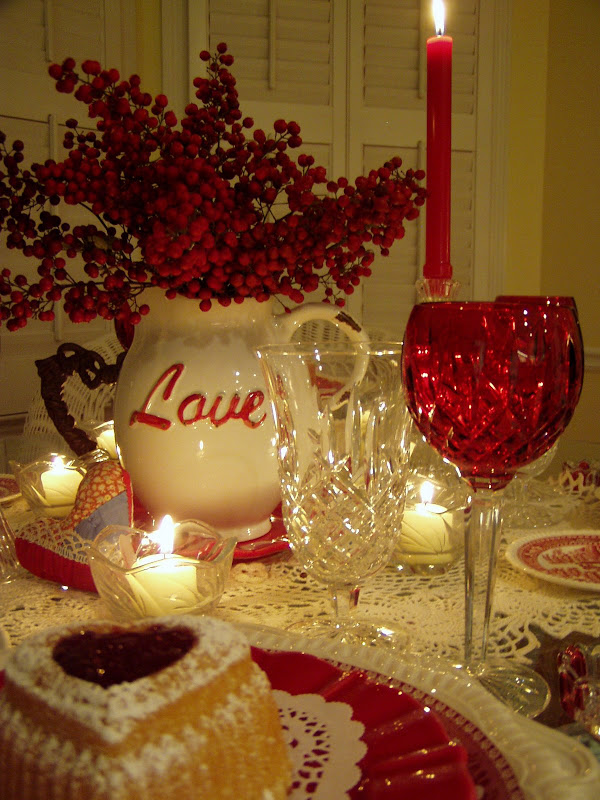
x=411, y=752
x=272, y=542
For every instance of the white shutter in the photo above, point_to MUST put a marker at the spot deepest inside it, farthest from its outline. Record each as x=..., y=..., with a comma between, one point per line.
x=282, y=49
x=77, y=30
x=350, y=72
x=389, y=293
x=287, y=54
x=33, y=34
x=361, y=100
x=395, y=32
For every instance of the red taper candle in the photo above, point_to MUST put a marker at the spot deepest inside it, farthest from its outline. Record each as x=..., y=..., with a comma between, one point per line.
x=439, y=152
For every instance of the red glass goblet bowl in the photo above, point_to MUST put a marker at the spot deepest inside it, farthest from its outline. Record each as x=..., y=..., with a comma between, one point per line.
x=491, y=386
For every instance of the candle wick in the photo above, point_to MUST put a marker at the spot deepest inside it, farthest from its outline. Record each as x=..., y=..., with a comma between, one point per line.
x=439, y=17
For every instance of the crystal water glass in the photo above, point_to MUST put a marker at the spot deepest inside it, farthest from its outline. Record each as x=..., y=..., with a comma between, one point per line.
x=342, y=447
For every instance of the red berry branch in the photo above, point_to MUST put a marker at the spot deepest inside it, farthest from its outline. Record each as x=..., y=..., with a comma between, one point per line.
x=214, y=209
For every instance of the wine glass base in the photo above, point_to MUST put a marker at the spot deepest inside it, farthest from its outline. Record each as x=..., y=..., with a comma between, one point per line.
x=353, y=632
x=520, y=688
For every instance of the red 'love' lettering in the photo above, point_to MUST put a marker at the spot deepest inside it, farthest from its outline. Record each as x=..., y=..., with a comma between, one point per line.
x=192, y=408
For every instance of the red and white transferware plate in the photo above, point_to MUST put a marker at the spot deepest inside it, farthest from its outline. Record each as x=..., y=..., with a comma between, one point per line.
x=569, y=558
x=9, y=489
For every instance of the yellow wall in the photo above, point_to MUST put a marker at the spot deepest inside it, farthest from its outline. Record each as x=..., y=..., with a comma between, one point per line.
x=553, y=232
x=526, y=138
x=571, y=229
x=149, y=44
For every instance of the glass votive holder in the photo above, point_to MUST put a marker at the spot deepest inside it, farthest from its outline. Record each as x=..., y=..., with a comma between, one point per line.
x=579, y=680
x=9, y=563
x=103, y=433
x=140, y=574
x=49, y=485
x=432, y=531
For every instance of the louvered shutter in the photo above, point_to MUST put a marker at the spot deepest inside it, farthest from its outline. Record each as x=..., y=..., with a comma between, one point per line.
x=34, y=34
x=350, y=72
x=353, y=74
x=282, y=49
x=284, y=66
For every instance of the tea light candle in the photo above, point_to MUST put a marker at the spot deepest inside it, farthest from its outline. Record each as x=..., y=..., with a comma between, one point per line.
x=60, y=485
x=163, y=582
x=106, y=441
x=426, y=530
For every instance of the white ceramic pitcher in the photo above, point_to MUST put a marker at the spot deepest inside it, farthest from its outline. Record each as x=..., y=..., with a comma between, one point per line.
x=192, y=418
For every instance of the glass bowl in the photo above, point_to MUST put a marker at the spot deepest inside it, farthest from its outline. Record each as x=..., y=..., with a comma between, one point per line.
x=49, y=484
x=103, y=433
x=137, y=579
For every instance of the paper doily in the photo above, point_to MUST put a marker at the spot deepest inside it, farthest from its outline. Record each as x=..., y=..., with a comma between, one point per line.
x=324, y=744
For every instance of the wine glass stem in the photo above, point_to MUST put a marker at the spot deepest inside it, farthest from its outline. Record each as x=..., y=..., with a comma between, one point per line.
x=482, y=542
x=344, y=600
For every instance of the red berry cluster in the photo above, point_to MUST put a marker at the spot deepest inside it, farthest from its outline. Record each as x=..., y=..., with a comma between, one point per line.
x=212, y=210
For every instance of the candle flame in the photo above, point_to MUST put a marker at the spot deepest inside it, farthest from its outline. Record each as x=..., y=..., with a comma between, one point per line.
x=426, y=492
x=439, y=16
x=58, y=464
x=165, y=535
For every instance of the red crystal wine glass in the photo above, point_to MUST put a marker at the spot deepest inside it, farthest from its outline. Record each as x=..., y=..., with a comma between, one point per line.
x=491, y=386
x=545, y=301
x=526, y=506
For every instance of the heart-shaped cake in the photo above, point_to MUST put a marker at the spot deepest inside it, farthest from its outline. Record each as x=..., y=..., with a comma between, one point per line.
x=116, y=656
x=158, y=710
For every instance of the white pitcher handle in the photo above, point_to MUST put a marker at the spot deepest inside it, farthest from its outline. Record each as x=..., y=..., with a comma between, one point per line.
x=288, y=324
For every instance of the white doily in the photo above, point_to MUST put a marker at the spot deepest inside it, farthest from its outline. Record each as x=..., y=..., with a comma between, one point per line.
x=324, y=744
x=430, y=607
x=280, y=593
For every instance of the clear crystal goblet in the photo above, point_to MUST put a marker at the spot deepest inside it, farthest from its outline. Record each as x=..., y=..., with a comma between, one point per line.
x=342, y=446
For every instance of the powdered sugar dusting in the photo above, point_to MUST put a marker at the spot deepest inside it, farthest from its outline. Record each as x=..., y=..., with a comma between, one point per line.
x=153, y=760
x=113, y=712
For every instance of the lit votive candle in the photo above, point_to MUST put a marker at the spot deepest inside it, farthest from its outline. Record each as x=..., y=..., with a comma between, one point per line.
x=164, y=582
x=60, y=484
x=106, y=441
x=426, y=535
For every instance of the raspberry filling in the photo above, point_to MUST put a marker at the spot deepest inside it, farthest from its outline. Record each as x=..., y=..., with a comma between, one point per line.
x=118, y=656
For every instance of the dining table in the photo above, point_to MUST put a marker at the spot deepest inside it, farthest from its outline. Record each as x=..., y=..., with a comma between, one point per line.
x=533, y=619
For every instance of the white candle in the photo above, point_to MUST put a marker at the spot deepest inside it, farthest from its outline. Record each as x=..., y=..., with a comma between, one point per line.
x=60, y=485
x=106, y=441
x=165, y=583
x=427, y=531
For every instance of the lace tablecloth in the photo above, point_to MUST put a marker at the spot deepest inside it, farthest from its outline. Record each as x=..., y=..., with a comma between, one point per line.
x=276, y=592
